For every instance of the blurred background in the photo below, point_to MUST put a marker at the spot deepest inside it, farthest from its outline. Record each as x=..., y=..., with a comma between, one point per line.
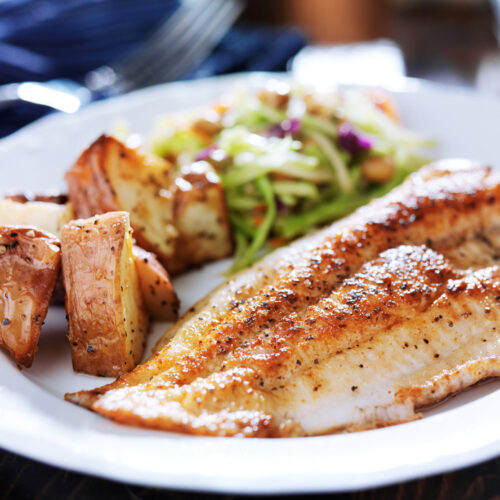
x=367, y=41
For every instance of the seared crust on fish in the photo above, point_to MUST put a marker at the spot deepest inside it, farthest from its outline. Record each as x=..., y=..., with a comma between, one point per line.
x=355, y=327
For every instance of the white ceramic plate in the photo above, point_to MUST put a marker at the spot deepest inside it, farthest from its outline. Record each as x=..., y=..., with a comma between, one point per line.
x=35, y=420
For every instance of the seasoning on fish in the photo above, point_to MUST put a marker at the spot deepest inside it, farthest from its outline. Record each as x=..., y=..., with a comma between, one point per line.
x=355, y=327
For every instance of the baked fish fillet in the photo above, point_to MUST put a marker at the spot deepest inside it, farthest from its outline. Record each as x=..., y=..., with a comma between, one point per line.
x=352, y=328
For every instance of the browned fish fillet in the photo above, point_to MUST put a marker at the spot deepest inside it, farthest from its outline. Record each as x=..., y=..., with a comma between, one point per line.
x=355, y=327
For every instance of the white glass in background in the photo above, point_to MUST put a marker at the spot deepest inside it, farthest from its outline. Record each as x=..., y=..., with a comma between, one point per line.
x=488, y=74
x=496, y=11
x=372, y=63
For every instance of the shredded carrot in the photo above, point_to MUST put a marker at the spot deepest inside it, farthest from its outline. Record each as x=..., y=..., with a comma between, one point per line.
x=384, y=102
x=280, y=177
x=220, y=108
x=277, y=241
x=259, y=209
x=206, y=138
x=257, y=220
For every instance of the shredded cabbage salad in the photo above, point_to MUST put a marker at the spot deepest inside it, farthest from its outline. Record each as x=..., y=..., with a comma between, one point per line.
x=290, y=159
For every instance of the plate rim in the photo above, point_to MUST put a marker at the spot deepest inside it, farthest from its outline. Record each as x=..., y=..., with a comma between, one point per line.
x=405, y=472
x=242, y=484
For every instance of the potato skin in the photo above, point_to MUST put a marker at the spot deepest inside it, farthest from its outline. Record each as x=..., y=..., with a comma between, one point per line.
x=157, y=290
x=201, y=218
x=46, y=212
x=182, y=219
x=108, y=176
x=88, y=186
x=29, y=265
x=107, y=318
x=49, y=197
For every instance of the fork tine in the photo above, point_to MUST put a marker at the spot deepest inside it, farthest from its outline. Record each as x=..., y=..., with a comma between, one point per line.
x=170, y=30
x=180, y=44
x=169, y=46
x=198, y=40
x=174, y=68
x=202, y=45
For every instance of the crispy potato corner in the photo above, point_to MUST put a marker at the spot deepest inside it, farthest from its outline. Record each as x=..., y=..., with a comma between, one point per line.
x=200, y=217
x=109, y=176
x=157, y=290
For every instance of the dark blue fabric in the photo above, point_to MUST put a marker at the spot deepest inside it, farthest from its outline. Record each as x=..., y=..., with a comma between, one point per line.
x=43, y=39
x=252, y=48
x=46, y=39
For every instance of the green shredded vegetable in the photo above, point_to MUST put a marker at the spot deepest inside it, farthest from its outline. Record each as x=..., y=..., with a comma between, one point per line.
x=311, y=123
x=182, y=141
x=287, y=172
x=265, y=188
x=331, y=152
x=296, y=188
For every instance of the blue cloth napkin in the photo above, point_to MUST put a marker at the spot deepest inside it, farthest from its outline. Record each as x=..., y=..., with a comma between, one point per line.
x=45, y=39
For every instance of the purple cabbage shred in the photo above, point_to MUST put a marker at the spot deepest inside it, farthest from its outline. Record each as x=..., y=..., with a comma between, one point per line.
x=353, y=141
x=286, y=127
x=283, y=209
x=205, y=153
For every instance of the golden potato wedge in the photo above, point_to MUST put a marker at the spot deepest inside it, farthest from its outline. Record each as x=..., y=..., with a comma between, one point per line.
x=107, y=319
x=47, y=216
x=183, y=219
x=157, y=290
x=29, y=265
x=200, y=217
x=109, y=176
x=44, y=214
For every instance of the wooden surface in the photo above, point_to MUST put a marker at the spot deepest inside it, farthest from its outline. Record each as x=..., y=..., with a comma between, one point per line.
x=21, y=478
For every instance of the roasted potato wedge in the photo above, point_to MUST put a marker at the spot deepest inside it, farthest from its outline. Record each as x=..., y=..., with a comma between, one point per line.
x=182, y=219
x=157, y=290
x=29, y=265
x=200, y=217
x=47, y=216
x=107, y=318
x=109, y=176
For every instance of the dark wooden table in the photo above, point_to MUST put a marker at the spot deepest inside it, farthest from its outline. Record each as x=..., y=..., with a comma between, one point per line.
x=25, y=479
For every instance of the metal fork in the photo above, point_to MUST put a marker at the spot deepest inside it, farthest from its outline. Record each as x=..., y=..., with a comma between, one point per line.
x=181, y=42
